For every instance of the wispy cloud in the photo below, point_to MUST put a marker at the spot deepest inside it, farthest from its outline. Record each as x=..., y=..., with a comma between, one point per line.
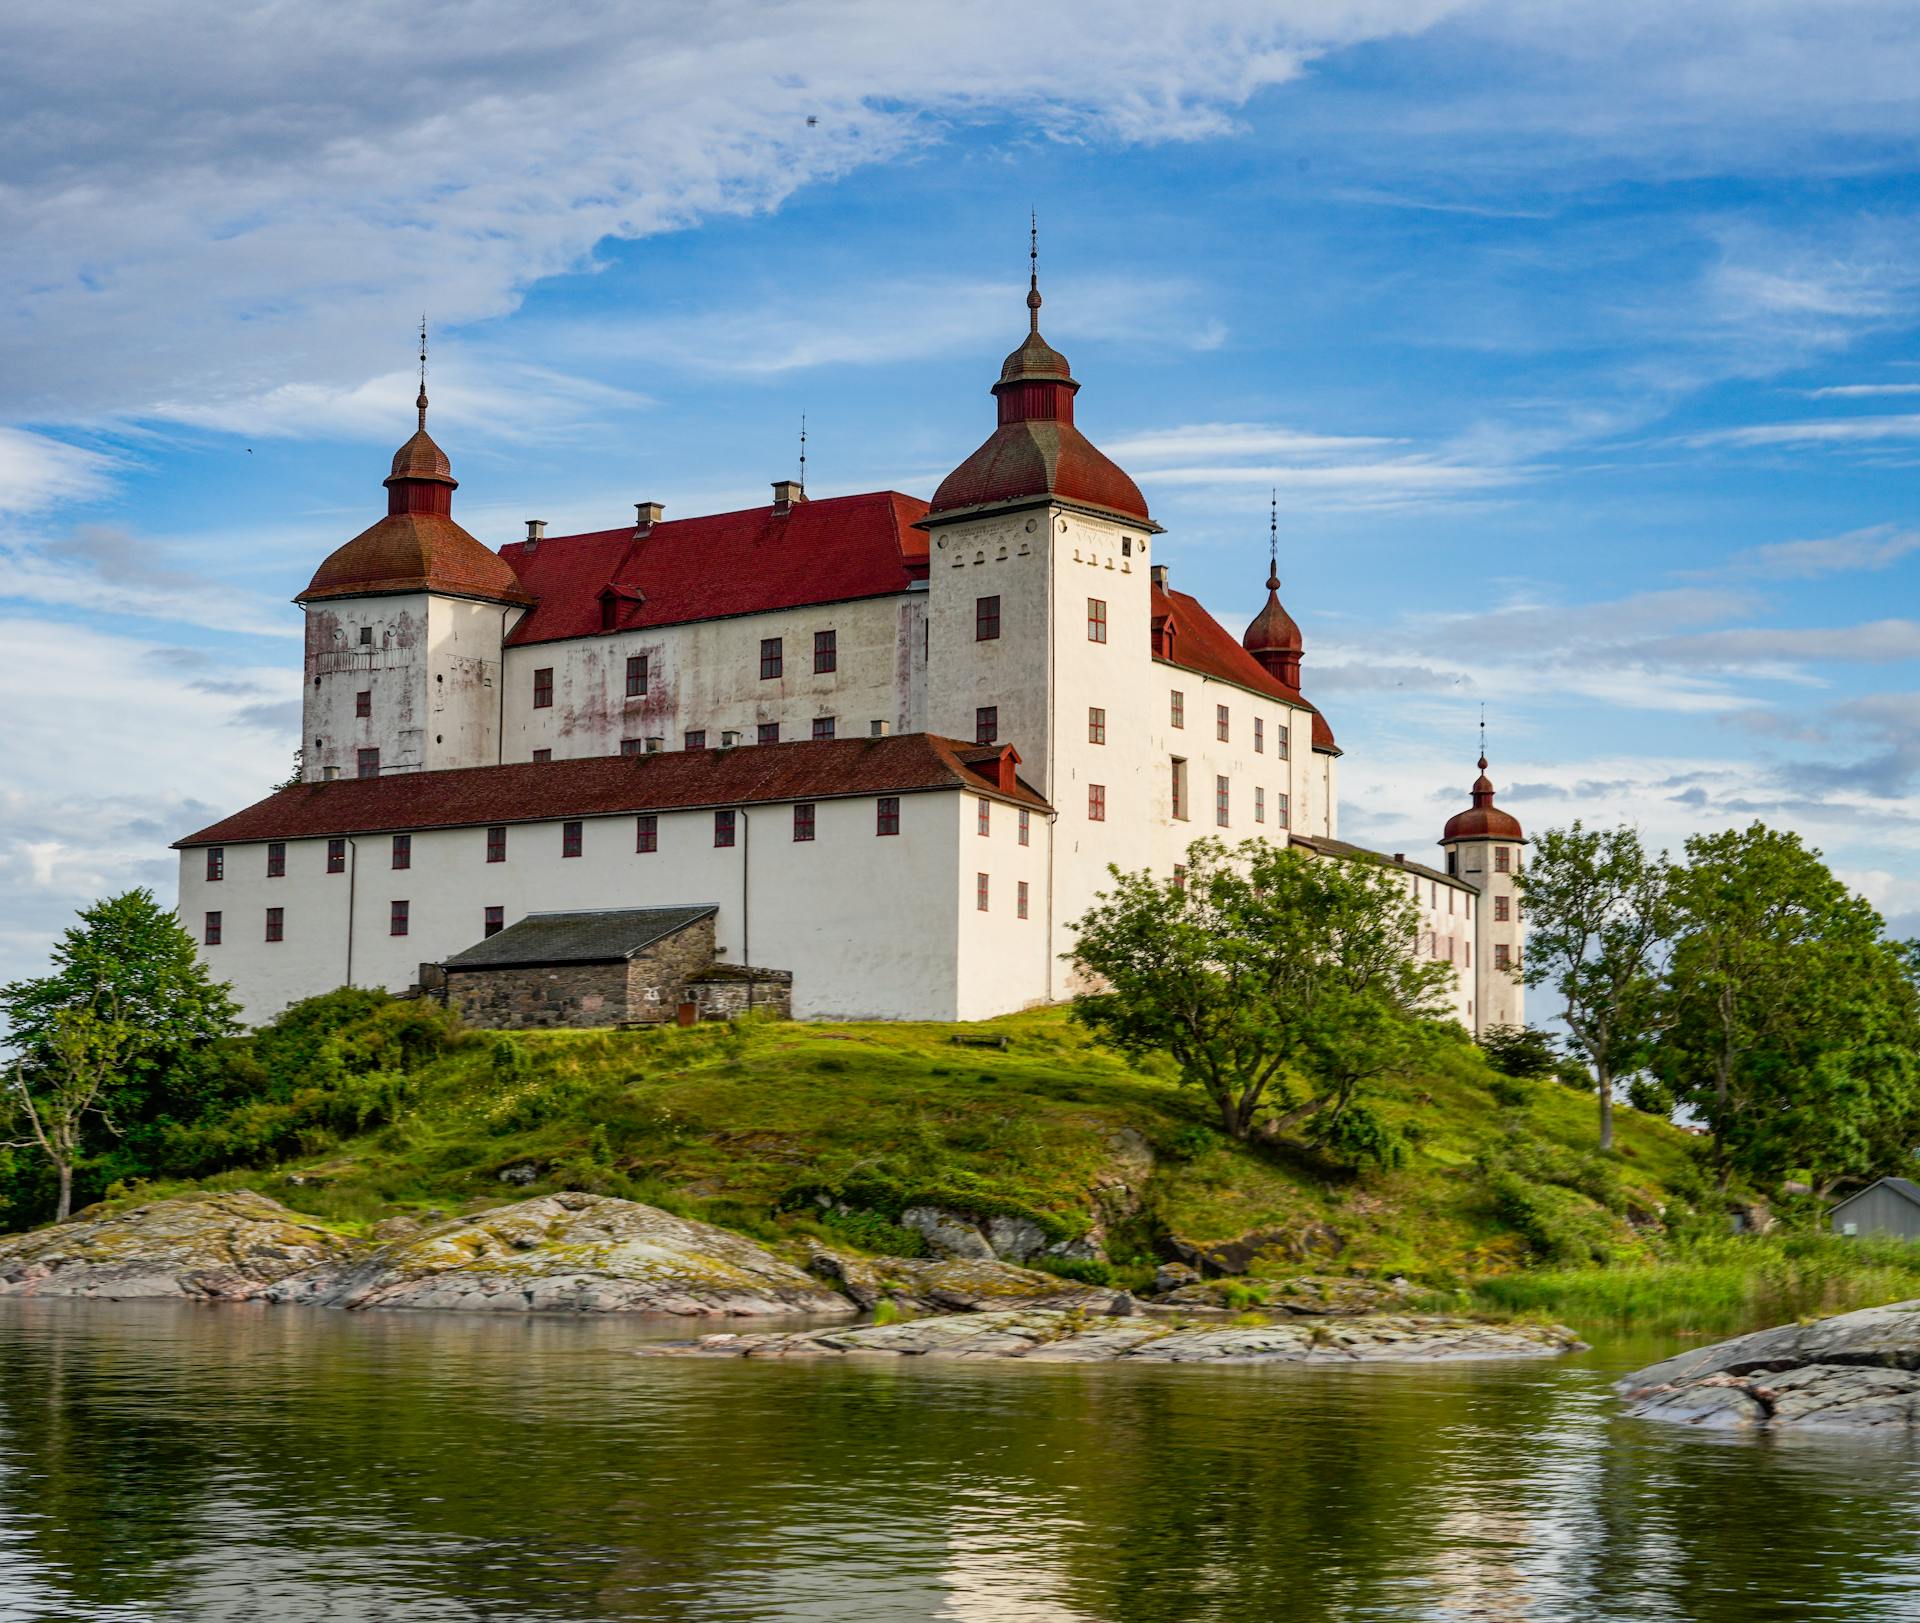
x=1879, y=546
x=1816, y=431
x=1860, y=391
x=38, y=471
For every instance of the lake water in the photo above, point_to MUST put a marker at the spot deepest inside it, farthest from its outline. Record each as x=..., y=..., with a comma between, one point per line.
x=236, y=1463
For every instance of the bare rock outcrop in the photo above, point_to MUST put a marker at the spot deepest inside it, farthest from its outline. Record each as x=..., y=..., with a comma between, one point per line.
x=951, y=1285
x=1856, y=1370
x=568, y=1253
x=202, y=1247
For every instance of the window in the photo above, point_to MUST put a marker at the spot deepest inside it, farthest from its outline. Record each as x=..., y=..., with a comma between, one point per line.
x=1096, y=802
x=497, y=843
x=646, y=832
x=1222, y=723
x=1259, y=804
x=403, y=850
x=397, y=918
x=541, y=757
x=1280, y=743
x=769, y=732
x=636, y=676
x=1096, y=619
x=1177, y=710
x=1449, y=949
x=633, y=746
x=212, y=936
x=1180, y=812
x=887, y=815
x=1502, y=859
x=1449, y=898
x=771, y=658
x=803, y=821
x=983, y=818
x=697, y=739
x=980, y=891
x=1020, y=899
x=363, y=702
x=986, y=724
x=823, y=726
x=1026, y=826
x=1502, y=953
x=986, y=619
x=276, y=924
x=1501, y=909
x=495, y=920
x=543, y=688
x=216, y=862
x=369, y=763
x=723, y=825
x=277, y=859
x=826, y=652
x=1280, y=811
x=1096, y=724
x=569, y=839
x=1259, y=735
x=336, y=855
x=1180, y=877
x=1466, y=947
x=1222, y=801
x=366, y=636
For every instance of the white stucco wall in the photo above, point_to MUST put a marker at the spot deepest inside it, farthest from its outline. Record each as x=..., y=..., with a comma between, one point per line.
x=1500, y=999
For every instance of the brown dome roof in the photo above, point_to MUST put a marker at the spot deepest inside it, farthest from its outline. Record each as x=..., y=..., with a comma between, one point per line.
x=1273, y=631
x=1483, y=820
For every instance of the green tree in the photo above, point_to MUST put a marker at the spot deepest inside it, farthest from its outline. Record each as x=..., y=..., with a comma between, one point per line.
x=1791, y=1027
x=1265, y=973
x=1598, y=922
x=49, y=1107
x=1520, y=1050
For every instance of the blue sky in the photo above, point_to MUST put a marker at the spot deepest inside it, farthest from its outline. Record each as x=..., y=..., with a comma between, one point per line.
x=1579, y=340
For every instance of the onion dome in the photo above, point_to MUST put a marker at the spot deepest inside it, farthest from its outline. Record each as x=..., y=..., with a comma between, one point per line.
x=1274, y=637
x=1483, y=820
x=1036, y=451
x=417, y=547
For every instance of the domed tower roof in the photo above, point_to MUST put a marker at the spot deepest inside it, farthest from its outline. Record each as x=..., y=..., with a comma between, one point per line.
x=417, y=547
x=1036, y=450
x=1483, y=820
x=1274, y=636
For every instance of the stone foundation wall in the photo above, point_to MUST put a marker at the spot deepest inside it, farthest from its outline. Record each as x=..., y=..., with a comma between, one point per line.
x=657, y=978
x=725, y=997
x=555, y=995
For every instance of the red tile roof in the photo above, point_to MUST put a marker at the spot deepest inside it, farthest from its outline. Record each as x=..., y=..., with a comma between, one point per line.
x=607, y=785
x=833, y=550
x=1202, y=644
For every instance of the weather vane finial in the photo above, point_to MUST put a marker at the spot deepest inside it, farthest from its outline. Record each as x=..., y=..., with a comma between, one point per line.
x=420, y=404
x=1273, y=539
x=803, y=450
x=1483, y=735
x=1033, y=271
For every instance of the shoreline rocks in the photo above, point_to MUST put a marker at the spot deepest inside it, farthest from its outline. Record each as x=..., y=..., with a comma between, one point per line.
x=951, y=1285
x=1851, y=1372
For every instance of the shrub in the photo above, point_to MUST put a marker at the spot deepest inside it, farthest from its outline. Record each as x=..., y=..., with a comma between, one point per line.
x=1087, y=1270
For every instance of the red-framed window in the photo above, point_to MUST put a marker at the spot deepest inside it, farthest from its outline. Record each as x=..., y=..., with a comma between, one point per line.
x=493, y=921
x=541, y=757
x=212, y=933
x=725, y=820
x=1502, y=908
x=1180, y=876
x=1281, y=744
x=1259, y=804
x=1026, y=826
x=1179, y=788
x=1222, y=723
x=633, y=746
x=980, y=884
x=1177, y=708
x=1020, y=899
x=1222, y=801
x=823, y=726
x=646, y=832
x=543, y=688
x=636, y=676
x=803, y=820
x=986, y=619
x=983, y=818
x=497, y=843
x=336, y=855
x=216, y=863
x=697, y=739
x=1096, y=802
x=1259, y=735
x=1502, y=859
x=1096, y=619
x=1280, y=811
x=398, y=917
x=986, y=724
x=276, y=859
x=570, y=839
x=363, y=702
x=826, y=652
x=369, y=763
x=769, y=732
x=1096, y=724
x=276, y=924
x=1502, y=953
x=886, y=815
x=403, y=850
x=772, y=660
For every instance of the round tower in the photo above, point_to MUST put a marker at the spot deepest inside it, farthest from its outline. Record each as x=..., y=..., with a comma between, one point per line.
x=1483, y=846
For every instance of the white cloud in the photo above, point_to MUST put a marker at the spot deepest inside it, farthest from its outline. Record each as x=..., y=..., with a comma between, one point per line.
x=37, y=471
x=1858, y=391
x=1878, y=546
x=1817, y=431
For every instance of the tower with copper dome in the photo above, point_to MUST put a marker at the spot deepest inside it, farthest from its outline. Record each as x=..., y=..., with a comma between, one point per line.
x=1483, y=846
x=405, y=630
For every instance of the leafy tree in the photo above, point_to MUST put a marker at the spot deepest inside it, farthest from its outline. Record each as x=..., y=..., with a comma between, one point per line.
x=1520, y=1050
x=1598, y=924
x=1266, y=973
x=1791, y=1024
x=297, y=776
x=48, y=1108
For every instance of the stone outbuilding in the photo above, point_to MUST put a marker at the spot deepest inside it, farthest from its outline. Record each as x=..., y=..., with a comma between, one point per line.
x=608, y=967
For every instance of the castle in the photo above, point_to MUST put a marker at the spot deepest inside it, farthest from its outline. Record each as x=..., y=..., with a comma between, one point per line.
x=868, y=755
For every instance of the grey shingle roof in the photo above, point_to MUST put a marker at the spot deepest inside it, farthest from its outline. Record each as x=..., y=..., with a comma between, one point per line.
x=1342, y=848
x=599, y=936
x=1899, y=1185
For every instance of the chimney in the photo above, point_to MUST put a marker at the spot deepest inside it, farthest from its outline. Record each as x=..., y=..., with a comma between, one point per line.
x=878, y=729
x=536, y=531
x=1400, y=857
x=1159, y=573
x=655, y=745
x=787, y=495
x=645, y=516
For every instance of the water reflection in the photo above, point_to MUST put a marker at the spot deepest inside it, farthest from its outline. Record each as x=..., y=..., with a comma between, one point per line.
x=235, y=1463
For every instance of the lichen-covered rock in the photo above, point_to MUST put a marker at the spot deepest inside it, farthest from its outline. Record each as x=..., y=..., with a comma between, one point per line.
x=1854, y=1370
x=568, y=1253
x=1310, y=1296
x=1077, y=1338
x=950, y=1285
x=213, y=1247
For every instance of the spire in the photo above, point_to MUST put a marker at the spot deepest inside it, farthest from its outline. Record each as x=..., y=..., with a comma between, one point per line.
x=1484, y=820
x=803, y=450
x=420, y=402
x=1274, y=636
x=1033, y=272
x=422, y=477
x=1273, y=540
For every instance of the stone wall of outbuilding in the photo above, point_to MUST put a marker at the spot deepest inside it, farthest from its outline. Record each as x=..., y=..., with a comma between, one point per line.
x=648, y=987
